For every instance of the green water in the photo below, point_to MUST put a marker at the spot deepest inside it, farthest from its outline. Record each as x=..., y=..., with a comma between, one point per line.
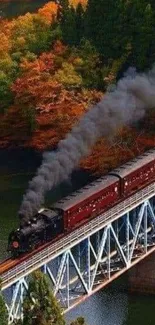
x=115, y=306
x=11, y=189
x=14, y=8
x=111, y=306
x=16, y=170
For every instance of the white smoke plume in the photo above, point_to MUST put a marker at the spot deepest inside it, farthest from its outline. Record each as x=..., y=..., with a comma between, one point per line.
x=133, y=95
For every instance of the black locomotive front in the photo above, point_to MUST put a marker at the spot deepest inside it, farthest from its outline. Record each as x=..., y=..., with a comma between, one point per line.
x=45, y=226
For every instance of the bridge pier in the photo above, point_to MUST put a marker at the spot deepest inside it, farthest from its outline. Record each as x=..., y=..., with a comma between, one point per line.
x=141, y=277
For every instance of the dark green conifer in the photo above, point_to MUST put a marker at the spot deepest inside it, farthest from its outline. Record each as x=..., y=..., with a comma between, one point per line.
x=3, y=311
x=140, y=31
x=79, y=22
x=67, y=22
x=105, y=26
x=78, y=321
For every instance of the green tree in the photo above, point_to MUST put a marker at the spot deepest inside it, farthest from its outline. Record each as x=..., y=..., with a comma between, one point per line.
x=40, y=306
x=5, y=92
x=3, y=310
x=68, y=76
x=71, y=22
x=29, y=115
x=79, y=23
x=78, y=321
x=31, y=33
x=91, y=19
x=104, y=26
x=140, y=31
x=89, y=65
x=67, y=19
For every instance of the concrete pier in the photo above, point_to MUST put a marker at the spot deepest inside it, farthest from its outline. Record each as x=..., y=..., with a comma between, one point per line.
x=141, y=278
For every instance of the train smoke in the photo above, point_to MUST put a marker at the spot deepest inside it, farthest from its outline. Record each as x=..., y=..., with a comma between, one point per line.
x=127, y=103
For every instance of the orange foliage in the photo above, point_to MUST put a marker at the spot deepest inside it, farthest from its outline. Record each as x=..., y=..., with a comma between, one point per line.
x=58, y=109
x=54, y=119
x=74, y=3
x=49, y=12
x=59, y=48
x=110, y=153
x=4, y=44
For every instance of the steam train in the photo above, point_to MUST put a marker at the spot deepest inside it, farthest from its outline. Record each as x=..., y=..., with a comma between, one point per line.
x=84, y=204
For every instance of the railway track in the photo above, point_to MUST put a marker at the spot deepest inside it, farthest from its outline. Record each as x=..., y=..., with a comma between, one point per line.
x=9, y=263
x=6, y=265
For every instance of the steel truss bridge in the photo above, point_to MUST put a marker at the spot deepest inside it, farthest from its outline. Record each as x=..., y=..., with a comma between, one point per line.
x=90, y=257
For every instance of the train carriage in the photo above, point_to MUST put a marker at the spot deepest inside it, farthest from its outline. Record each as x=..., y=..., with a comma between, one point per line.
x=136, y=173
x=84, y=204
x=89, y=201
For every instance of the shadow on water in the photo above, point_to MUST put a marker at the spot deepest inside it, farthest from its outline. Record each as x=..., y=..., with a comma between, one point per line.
x=114, y=305
x=107, y=307
x=140, y=310
x=16, y=169
x=14, y=8
x=110, y=306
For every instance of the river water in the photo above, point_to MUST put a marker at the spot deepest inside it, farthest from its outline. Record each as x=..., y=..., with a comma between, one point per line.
x=14, y=8
x=112, y=305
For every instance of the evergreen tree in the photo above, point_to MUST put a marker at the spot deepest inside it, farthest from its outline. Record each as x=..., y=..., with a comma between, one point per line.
x=140, y=31
x=78, y=321
x=89, y=65
x=66, y=16
x=3, y=311
x=40, y=306
x=91, y=19
x=104, y=26
x=79, y=22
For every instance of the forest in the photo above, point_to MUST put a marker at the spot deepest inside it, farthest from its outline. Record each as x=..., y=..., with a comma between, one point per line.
x=57, y=63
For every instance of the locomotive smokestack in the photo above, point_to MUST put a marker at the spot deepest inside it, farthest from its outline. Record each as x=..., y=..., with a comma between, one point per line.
x=132, y=96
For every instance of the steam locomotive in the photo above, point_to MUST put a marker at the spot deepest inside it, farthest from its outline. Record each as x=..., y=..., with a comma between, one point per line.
x=84, y=204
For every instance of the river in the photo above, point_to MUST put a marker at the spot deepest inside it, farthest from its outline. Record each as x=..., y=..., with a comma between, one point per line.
x=110, y=306
x=14, y=8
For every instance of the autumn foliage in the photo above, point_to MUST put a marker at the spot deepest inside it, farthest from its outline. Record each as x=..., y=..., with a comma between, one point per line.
x=49, y=12
x=76, y=2
x=46, y=86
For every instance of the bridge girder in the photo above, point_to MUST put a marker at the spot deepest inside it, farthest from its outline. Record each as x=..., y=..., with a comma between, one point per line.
x=93, y=262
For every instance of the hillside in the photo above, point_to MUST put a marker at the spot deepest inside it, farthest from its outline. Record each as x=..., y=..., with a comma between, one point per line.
x=55, y=64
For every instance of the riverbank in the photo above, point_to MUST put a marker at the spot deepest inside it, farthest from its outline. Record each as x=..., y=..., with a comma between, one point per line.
x=14, y=8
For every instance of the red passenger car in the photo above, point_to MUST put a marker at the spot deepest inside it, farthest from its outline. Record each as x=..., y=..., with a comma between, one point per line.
x=137, y=173
x=89, y=201
x=84, y=204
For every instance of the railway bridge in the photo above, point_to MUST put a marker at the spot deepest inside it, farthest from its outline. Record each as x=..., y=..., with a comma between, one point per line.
x=87, y=259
